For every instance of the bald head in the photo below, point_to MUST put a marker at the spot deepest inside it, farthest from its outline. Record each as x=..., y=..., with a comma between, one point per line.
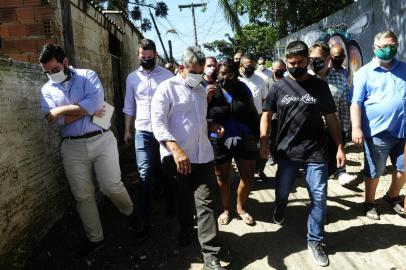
x=337, y=50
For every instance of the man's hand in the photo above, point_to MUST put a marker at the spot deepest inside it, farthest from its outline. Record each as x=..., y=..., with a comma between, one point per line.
x=182, y=161
x=217, y=128
x=100, y=113
x=340, y=157
x=357, y=136
x=127, y=137
x=53, y=115
x=210, y=89
x=264, y=149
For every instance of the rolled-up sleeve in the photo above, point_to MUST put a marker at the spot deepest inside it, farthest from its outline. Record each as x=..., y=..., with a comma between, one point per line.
x=94, y=94
x=160, y=107
x=129, y=101
x=359, y=87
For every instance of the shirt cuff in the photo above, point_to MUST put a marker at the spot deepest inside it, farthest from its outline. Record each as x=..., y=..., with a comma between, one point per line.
x=130, y=112
x=88, y=106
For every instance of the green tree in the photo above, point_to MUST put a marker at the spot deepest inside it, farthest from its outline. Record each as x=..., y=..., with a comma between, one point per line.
x=256, y=39
x=286, y=16
x=134, y=9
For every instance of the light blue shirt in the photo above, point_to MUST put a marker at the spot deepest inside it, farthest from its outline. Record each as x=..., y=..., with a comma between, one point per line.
x=178, y=113
x=381, y=94
x=84, y=89
x=140, y=88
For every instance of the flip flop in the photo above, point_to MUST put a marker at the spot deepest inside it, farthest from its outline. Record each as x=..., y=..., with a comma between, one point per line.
x=224, y=219
x=247, y=218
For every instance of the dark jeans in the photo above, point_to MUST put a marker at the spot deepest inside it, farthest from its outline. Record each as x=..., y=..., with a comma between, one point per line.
x=149, y=166
x=199, y=185
x=316, y=180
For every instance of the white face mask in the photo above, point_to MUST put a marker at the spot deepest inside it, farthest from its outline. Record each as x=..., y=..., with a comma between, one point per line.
x=193, y=80
x=261, y=67
x=58, y=77
x=209, y=71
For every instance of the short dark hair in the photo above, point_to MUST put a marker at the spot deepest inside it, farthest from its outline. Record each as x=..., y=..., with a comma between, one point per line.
x=212, y=58
x=323, y=46
x=147, y=44
x=50, y=51
x=230, y=64
x=296, y=48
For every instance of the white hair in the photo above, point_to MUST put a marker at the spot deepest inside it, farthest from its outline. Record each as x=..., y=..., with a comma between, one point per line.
x=193, y=55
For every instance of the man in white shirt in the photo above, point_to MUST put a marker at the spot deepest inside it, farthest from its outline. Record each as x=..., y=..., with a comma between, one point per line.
x=259, y=92
x=262, y=71
x=140, y=87
x=178, y=115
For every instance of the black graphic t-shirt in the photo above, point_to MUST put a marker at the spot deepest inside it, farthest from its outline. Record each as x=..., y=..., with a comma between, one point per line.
x=300, y=106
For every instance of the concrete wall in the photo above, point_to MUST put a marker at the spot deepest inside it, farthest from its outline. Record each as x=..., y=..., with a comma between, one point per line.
x=33, y=190
x=356, y=27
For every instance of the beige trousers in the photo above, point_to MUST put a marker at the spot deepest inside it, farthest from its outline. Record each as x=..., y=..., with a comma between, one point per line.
x=96, y=156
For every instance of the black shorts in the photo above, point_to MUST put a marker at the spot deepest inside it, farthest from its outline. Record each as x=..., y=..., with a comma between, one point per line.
x=247, y=148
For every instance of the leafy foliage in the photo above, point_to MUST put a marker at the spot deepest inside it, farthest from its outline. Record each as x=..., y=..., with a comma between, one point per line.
x=137, y=6
x=256, y=39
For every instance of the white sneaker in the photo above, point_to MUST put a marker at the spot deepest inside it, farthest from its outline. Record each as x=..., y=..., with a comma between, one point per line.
x=345, y=179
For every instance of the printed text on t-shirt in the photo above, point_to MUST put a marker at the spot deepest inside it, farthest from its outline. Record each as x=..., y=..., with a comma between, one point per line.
x=308, y=99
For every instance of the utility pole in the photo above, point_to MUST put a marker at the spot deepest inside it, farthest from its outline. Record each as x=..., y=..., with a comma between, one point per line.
x=192, y=6
x=159, y=36
x=170, y=51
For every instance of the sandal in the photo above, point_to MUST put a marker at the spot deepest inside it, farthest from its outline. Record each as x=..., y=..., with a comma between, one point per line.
x=224, y=219
x=247, y=218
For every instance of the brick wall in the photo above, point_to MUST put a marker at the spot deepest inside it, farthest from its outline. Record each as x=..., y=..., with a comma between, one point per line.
x=25, y=25
x=33, y=192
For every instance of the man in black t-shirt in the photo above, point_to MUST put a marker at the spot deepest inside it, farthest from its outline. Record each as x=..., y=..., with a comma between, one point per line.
x=300, y=101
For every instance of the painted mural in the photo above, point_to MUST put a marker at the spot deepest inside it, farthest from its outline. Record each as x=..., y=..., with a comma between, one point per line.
x=338, y=34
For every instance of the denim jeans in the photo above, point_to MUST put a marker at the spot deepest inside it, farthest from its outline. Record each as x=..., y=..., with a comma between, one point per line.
x=376, y=151
x=316, y=179
x=149, y=166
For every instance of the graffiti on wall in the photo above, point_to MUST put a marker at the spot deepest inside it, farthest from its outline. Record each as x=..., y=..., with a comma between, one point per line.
x=338, y=34
x=342, y=35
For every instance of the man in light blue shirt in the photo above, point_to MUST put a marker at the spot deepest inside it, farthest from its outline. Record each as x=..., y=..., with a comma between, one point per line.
x=69, y=99
x=140, y=88
x=378, y=120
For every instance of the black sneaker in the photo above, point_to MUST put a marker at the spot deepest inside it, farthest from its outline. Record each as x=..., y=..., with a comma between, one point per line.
x=370, y=211
x=88, y=249
x=396, y=203
x=213, y=265
x=278, y=215
x=135, y=221
x=317, y=252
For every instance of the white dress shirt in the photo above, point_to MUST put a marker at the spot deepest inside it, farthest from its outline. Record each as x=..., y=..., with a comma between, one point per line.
x=140, y=87
x=258, y=89
x=264, y=74
x=178, y=113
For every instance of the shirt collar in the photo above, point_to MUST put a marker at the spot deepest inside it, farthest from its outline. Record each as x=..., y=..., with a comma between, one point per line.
x=152, y=71
x=375, y=64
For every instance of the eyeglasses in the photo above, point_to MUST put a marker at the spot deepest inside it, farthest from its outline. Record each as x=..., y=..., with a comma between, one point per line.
x=392, y=46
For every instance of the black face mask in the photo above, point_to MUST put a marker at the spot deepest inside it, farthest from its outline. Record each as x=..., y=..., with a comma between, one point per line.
x=318, y=65
x=226, y=83
x=248, y=71
x=337, y=62
x=297, y=71
x=279, y=73
x=147, y=64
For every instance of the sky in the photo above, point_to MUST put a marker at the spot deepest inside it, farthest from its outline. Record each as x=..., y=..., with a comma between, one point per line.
x=210, y=24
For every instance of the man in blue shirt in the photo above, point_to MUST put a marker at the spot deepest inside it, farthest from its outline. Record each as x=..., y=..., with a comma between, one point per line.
x=378, y=120
x=69, y=99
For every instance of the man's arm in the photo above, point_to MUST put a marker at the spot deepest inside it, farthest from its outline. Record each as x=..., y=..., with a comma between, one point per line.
x=335, y=133
x=264, y=129
x=357, y=134
x=129, y=109
x=128, y=126
x=160, y=107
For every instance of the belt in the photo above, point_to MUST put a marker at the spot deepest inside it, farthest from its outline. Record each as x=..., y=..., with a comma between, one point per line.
x=86, y=135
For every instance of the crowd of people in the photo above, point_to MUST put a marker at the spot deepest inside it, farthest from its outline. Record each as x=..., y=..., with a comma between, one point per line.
x=190, y=126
